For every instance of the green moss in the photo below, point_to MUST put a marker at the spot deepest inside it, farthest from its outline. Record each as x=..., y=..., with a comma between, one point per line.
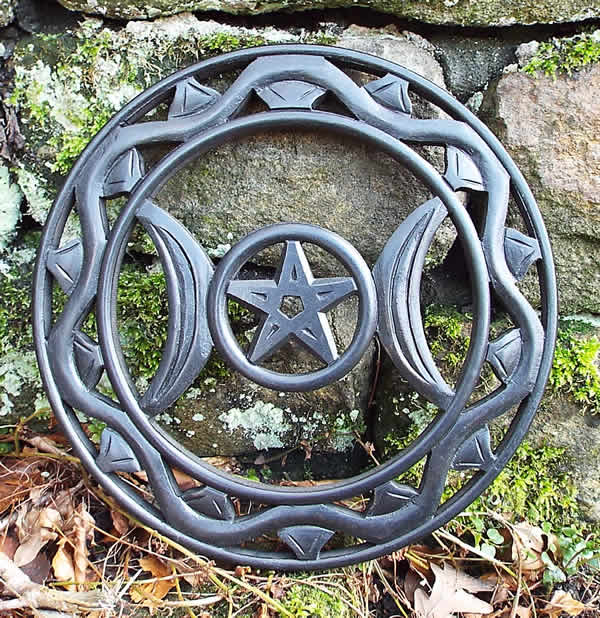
x=535, y=486
x=574, y=369
x=143, y=319
x=70, y=145
x=447, y=333
x=222, y=42
x=15, y=309
x=565, y=55
x=67, y=86
x=305, y=601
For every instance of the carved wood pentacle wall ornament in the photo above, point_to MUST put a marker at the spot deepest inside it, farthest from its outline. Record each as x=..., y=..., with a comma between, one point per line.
x=85, y=370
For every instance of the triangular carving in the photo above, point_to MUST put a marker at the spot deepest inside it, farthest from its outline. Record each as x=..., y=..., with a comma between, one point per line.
x=191, y=97
x=290, y=94
x=115, y=454
x=389, y=497
x=305, y=541
x=124, y=174
x=391, y=91
x=504, y=354
x=88, y=359
x=210, y=502
x=476, y=452
x=521, y=252
x=461, y=171
x=65, y=264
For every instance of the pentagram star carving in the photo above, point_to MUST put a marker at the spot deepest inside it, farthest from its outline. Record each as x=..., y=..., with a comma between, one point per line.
x=309, y=326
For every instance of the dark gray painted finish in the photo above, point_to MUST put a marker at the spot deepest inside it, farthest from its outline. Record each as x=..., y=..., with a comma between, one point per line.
x=292, y=80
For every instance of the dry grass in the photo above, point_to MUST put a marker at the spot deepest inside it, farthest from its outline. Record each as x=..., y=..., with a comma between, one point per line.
x=67, y=549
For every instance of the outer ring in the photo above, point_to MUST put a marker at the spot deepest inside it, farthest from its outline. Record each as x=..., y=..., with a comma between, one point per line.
x=220, y=328
x=41, y=307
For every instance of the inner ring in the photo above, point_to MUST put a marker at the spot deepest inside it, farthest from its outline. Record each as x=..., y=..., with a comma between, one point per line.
x=109, y=339
x=222, y=334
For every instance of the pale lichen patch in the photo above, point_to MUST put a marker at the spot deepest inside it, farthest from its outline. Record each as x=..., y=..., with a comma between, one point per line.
x=264, y=423
x=18, y=369
x=35, y=190
x=10, y=203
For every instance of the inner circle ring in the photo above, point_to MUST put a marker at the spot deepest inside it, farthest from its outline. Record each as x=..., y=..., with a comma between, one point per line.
x=109, y=337
x=222, y=334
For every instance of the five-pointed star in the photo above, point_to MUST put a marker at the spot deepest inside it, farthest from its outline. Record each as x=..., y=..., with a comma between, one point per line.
x=294, y=278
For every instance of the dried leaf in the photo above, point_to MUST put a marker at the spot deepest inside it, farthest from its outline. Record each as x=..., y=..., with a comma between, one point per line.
x=562, y=601
x=120, y=522
x=8, y=545
x=277, y=592
x=38, y=569
x=242, y=571
x=45, y=445
x=419, y=558
x=410, y=584
x=35, y=534
x=83, y=525
x=151, y=593
x=262, y=611
x=528, y=545
x=227, y=464
x=451, y=593
x=185, y=481
x=35, y=596
x=17, y=477
x=63, y=501
x=194, y=575
x=62, y=564
x=306, y=483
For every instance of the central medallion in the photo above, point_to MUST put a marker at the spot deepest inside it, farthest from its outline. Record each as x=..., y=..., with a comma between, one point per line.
x=292, y=306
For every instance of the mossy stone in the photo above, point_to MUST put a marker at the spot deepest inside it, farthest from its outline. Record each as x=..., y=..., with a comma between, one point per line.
x=455, y=12
x=550, y=127
x=226, y=414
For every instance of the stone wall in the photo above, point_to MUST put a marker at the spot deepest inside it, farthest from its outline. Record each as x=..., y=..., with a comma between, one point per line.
x=531, y=75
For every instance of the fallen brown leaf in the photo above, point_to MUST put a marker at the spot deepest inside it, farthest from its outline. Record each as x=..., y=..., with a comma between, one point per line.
x=83, y=528
x=17, y=477
x=28, y=594
x=262, y=611
x=277, y=592
x=120, y=522
x=194, y=577
x=227, y=464
x=185, y=481
x=62, y=564
x=150, y=594
x=451, y=593
x=45, y=445
x=38, y=569
x=562, y=601
x=528, y=545
x=35, y=529
x=8, y=545
x=410, y=584
x=242, y=571
x=63, y=501
x=419, y=559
